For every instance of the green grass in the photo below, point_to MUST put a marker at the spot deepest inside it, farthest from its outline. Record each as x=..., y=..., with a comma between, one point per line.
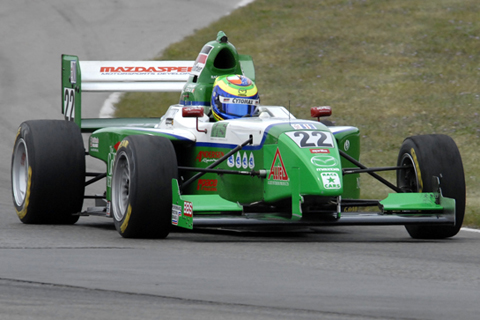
x=391, y=68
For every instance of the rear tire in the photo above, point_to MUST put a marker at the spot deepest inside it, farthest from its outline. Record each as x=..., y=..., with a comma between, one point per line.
x=142, y=187
x=48, y=172
x=433, y=155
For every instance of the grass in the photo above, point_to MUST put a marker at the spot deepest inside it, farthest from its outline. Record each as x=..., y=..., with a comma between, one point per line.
x=391, y=68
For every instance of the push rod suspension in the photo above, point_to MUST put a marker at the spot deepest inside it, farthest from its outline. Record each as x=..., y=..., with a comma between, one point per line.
x=357, y=170
x=373, y=174
x=261, y=173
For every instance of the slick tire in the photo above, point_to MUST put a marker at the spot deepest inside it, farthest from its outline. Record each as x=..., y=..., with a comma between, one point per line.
x=48, y=172
x=142, y=187
x=433, y=155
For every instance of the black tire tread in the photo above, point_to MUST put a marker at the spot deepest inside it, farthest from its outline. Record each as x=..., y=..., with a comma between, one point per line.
x=153, y=165
x=57, y=157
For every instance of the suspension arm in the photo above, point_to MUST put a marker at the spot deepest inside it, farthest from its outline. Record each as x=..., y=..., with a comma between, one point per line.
x=373, y=174
x=216, y=163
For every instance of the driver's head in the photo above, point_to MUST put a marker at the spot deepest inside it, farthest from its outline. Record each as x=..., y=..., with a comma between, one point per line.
x=233, y=96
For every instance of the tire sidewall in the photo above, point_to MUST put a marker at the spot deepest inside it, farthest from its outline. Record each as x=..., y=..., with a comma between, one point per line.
x=436, y=156
x=30, y=200
x=126, y=225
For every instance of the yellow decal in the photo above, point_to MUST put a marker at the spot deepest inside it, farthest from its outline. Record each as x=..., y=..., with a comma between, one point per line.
x=124, y=144
x=18, y=133
x=417, y=169
x=23, y=212
x=127, y=217
x=16, y=137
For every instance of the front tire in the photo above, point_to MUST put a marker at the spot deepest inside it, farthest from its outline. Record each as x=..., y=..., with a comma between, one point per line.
x=48, y=172
x=142, y=187
x=433, y=155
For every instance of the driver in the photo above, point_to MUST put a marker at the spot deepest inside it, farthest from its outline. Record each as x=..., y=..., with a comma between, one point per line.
x=234, y=96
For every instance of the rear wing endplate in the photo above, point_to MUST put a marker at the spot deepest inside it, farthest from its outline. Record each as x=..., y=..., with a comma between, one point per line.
x=117, y=76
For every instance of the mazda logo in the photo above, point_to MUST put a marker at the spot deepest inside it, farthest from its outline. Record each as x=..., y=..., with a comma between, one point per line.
x=324, y=161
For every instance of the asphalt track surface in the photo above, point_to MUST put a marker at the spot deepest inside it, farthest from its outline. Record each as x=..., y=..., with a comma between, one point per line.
x=87, y=271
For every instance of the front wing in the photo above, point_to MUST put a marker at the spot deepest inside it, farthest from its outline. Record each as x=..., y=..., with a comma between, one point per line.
x=396, y=209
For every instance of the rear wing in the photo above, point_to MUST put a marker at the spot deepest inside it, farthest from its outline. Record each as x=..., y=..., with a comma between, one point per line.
x=117, y=76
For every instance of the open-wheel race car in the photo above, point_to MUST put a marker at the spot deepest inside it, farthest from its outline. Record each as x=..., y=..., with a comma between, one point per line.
x=219, y=158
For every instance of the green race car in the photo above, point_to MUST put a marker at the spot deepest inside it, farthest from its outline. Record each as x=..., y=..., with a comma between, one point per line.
x=220, y=159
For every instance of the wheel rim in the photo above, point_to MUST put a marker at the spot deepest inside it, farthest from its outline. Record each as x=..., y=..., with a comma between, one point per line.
x=408, y=178
x=20, y=172
x=121, y=186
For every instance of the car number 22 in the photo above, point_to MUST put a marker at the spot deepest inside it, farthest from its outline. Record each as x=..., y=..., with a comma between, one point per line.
x=312, y=139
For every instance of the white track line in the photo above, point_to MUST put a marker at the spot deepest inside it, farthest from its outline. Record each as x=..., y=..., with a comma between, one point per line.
x=108, y=108
x=471, y=230
x=244, y=3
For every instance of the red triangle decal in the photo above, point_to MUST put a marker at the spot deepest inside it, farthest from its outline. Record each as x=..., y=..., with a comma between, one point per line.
x=278, y=172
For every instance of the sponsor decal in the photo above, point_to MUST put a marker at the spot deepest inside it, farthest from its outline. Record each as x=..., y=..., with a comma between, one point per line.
x=302, y=126
x=18, y=133
x=346, y=145
x=278, y=183
x=254, y=102
x=219, y=130
x=94, y=142
x=242, y=92
x=123, y=143
x=110, y=163
x=277, y=170
x=189, y=88
x=331, y=180
x=231, y=161
x=209, y=156
x=188, y=209
x=22, y=213
x=144, y=70
x=201, y=60
x=197, y=68
x=176, y=213
x=319, y=151
x=238, y=160
x=207, y=184
x=73, y=72
x=328, y=169
x=251, y=161
x=324, y=161
x=126, y=219
x=417, y=169
x=245, y=101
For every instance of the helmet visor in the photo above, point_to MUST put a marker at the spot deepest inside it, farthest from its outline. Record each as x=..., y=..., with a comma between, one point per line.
x=238, y=106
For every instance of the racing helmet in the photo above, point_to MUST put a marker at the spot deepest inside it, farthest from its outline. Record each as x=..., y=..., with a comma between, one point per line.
x=233, y=96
